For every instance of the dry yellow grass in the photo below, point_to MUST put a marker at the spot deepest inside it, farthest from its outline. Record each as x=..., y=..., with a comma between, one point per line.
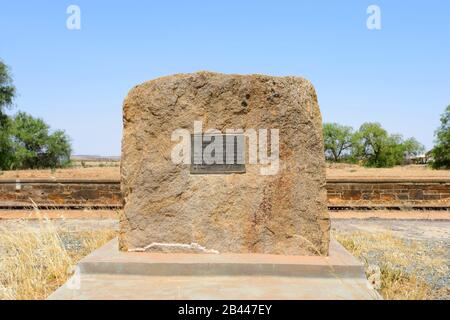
x=35, y=261
x=397, y=261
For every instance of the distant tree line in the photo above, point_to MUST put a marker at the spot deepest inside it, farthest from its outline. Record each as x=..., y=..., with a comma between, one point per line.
x=26, y=142
x=441, y=150
x=370, y=145
x=373, y=146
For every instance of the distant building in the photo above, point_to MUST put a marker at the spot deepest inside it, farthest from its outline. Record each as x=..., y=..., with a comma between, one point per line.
x=419, y=159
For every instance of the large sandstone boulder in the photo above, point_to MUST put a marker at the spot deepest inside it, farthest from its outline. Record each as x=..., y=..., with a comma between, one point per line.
x=169, y=209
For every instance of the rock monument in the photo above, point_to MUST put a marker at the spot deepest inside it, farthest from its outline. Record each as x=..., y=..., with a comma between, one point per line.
x=273, y=202
x=223, y=178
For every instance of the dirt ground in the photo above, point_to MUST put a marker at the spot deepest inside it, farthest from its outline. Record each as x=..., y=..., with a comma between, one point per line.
x=406, y=229
x=402, y=172
x=388, y=215
x=66, y=225
x=108, y=173
x=30, y=214
x=333, y=171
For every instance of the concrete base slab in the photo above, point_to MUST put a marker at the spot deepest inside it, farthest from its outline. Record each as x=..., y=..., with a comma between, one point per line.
x=110, y=274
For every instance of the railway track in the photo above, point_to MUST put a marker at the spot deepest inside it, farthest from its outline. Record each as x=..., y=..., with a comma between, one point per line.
x=331, y=207
x=343, y=194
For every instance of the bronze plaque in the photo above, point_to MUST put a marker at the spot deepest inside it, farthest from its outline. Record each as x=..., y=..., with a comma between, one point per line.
x=217, y=153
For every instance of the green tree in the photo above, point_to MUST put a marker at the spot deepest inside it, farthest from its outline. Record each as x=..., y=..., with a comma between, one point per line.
x=25, y=142
x=412, y=147
x=7, y=93
x=441, y=150
x=376, y=148
x=7, y=89
x=338, y=140
x=370, y=140
x=34, y=147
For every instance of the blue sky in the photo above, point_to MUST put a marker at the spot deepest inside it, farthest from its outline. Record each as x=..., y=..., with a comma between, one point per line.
x=77, y=79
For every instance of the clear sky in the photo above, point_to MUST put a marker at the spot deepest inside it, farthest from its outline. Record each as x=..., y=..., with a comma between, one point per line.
x=77, y=79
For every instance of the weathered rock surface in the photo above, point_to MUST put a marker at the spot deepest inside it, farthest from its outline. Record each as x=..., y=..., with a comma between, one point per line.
x=165, y=205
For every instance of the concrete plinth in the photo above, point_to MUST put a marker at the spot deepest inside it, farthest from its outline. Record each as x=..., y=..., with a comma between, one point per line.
x=108, y=273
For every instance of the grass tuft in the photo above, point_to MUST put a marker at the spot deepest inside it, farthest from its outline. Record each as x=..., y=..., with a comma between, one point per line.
x=36, y=261
x=400, y=264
